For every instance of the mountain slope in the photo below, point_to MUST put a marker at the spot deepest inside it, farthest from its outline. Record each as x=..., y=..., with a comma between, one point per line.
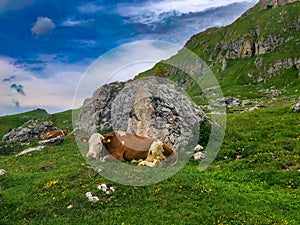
x=254, y=179
x=260, y=50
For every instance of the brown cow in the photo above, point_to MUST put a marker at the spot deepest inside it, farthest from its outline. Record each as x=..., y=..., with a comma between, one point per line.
x=55, y=133
x=128, y=147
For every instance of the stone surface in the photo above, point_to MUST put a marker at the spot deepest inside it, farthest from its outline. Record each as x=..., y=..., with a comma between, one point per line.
x=198, y=148
x=267, y=4
x=55, y=140
x=296, y=107
x=29, y=150
x=230, y=102
x=31, y=130
x=251, y=109
x=148, y=107
x=2, y=172
x=199, y=155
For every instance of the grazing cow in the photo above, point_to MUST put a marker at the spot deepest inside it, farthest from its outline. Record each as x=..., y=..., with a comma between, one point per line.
x=55, y=133
x=128, y=147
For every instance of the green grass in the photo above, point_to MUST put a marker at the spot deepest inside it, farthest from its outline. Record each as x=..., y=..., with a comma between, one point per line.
x=254, y=180
x=14, y=121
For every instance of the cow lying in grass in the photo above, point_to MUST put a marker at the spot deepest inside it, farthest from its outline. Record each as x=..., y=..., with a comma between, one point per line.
x=123, y=146
x=55, y=133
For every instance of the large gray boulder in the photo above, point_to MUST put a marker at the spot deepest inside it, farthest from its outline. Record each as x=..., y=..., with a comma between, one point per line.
x=31, y=130
x=148, y=107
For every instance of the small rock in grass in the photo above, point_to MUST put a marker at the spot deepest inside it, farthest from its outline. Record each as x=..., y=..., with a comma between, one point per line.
x=198, y=148
x=91, y=198
x=199, y=155
x=2, y=172
x=296, y=107
x=26, y=151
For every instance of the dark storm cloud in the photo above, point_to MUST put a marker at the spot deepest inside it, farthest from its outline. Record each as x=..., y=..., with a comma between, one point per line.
x=18, y=88
x=8, y=79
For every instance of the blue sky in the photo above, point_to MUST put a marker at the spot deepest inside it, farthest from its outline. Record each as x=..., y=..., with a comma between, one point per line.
x=46, y=45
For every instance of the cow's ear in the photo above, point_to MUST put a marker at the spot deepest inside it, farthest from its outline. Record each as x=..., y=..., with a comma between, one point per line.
x=107, y=139
x=84, y=140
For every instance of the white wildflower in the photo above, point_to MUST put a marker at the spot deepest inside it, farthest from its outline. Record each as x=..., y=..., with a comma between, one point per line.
x=88, y=194
x=102, y=187
x=93, y=199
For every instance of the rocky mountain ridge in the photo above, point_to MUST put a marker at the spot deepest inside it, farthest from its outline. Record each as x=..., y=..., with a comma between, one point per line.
x=267, y=4
x=261, y=47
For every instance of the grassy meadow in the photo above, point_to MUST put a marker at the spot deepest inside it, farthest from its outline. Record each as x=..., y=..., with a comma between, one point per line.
x=254, y=180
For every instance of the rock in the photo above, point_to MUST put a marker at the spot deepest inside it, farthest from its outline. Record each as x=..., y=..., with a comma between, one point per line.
x=268, y=4
x=281, y=65
x=198, y=148
x=247, y=102
x=148, y=107
x=28, y=117
x=251, y=109
x=2, y=172
x=230, y=102
x=199, y=155
x=31, y=130
x=275, y=93
x=258, y=62
x=267, y=44
x=56, y=140
x=97, y=109
x=29, y=150
x=296, y=107
x=271, y=93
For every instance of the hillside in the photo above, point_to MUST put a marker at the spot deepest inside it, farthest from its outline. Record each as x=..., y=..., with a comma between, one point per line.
x=259, y=51
x=254, y=178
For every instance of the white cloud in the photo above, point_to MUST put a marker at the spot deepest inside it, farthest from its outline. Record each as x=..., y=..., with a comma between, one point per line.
x=43, y=25
x=55, y=93
x=153, y=11
x=90, y=8
x=121, y=64
x=71, y=22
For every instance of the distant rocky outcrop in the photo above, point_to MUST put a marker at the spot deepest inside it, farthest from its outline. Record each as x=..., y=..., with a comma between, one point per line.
x=232, y=102
x=31, y=130
x=148, y=107
x=267, y=4
x=254, y=43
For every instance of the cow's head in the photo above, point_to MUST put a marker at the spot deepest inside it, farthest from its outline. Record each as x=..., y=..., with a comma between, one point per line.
x=95, y=146
x=96, y=142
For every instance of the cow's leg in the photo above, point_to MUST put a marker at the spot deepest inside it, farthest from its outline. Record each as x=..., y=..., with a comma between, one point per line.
x=113, y=157
x=146, y=163
x=108, y=158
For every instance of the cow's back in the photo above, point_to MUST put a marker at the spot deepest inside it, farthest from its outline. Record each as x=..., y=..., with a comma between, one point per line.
x=131, y=146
